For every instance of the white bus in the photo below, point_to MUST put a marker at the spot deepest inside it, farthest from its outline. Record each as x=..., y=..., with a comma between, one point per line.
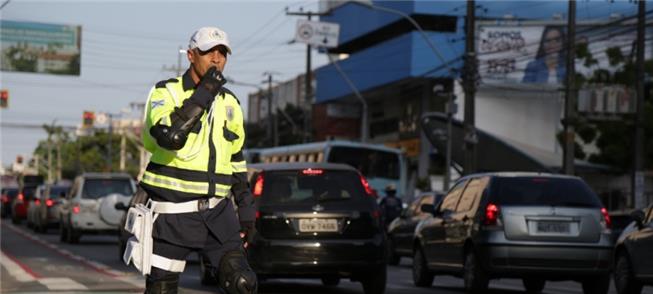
x=379, y=164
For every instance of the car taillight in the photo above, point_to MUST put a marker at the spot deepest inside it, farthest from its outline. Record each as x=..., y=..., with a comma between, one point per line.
x=37, y=201
x=606, y=218
x=76, y=209
x=258, y=214
x=49, y=202
x=491, y=214
x=368, y=190
x=258, y=186
x=20, y=197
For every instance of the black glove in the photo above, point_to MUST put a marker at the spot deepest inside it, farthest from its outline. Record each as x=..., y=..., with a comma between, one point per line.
x=213, y=80
x=249, y=230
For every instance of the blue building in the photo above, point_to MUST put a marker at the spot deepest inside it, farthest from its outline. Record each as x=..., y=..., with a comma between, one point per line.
x=396, y=70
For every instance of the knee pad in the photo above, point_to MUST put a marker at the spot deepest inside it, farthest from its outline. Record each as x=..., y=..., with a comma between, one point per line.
x=235, y=275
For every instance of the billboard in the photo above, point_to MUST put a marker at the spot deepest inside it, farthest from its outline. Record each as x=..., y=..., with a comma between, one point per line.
x=536, y=53
x=40, y=48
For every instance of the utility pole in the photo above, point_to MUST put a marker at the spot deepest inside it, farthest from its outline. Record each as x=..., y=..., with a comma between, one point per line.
x=569, y=121
x=109, y=148
x=123, y=151
x=271, y=128
x=50, y=176
x=58, y=154
x=469, y=83
x=308, y=78
x=178, y=68
x=638, y=173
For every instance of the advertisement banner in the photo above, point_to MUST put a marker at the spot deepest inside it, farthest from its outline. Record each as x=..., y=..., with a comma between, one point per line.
x=40, y=48
x=536, y=54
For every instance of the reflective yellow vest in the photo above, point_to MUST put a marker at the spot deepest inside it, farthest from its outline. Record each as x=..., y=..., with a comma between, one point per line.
x=211, y=155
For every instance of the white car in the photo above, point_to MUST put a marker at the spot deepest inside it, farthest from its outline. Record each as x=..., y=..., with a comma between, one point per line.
x=89, y=208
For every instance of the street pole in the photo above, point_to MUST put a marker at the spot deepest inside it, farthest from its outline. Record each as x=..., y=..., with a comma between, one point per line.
x=50, y=176
x=638, y=172
x=58, y=155
x=469, y=80
x=447, y=171
x=109, y=149
x=364, y=126
x=307, y=85
x=570, y=92
x=123, y=151
x=270, y=127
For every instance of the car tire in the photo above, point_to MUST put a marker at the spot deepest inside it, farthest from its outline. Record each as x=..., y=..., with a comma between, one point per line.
x=73, y=236
x=393, y=257
x=597, y=285
x=475, y=278
x=624, y=277
x=533, y=285
x=207, y=277
x=374, y=282
x=331, y=281
x=422, y=276
x=14, y=219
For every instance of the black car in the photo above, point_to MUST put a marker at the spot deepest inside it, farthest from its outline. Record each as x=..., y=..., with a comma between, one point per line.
x=532, y=226
x=634, y=254
x=402, y=229
x=7, y=197
x=317, y=221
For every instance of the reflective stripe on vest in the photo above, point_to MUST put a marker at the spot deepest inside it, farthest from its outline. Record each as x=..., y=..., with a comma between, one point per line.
x=183, y=186
x=239, y=167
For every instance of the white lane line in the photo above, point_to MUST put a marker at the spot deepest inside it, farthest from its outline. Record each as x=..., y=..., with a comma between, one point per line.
x=15, y=270
x=134, y=279
x=61, y=284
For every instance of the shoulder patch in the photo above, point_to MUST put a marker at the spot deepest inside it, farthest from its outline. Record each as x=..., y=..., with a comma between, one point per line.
x=227, y=91
x=162, y=84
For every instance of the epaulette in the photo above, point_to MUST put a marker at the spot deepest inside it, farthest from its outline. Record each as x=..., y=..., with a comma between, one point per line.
x=227, y=91
x=162, y=84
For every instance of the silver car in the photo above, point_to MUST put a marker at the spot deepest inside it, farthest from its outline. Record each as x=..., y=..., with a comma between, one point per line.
x=89, y=208
x=532, y=226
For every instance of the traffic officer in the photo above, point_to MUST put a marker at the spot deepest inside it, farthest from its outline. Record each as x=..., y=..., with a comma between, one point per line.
x=194, y=129
x=391, y=206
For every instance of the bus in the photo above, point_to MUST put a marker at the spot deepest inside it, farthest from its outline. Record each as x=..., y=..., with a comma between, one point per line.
x=379, y=164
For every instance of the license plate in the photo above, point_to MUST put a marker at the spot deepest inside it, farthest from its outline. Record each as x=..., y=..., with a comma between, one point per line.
x=553, y=227
x=318, y=225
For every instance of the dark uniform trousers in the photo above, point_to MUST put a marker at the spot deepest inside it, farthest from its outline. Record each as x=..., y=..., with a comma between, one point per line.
x=212, y=232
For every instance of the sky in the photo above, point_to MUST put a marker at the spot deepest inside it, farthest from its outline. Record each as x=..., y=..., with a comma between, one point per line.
x=125, y=46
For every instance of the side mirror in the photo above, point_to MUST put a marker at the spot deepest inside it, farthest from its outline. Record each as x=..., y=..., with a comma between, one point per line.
x=428, y=208
x=121, y=206
x=638, y=216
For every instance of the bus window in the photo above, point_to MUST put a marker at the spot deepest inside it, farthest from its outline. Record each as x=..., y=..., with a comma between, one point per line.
x=292, y=158
x=320, y=157
x=302, y=157
x=371, y=163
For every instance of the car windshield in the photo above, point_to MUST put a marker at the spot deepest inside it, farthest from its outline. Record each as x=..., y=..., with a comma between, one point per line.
x=58, y=192
x=96, y=188
x=310, y=186
x=544, y=191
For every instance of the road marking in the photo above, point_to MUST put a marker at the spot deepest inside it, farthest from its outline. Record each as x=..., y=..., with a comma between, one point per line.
x=19, y=271
x=61, y=284
x=127, y=277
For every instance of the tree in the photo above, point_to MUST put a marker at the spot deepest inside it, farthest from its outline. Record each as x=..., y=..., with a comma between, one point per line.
x=614, y=139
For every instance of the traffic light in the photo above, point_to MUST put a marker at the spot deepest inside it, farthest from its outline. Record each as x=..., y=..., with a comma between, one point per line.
x=88, y=119
x=4, y=98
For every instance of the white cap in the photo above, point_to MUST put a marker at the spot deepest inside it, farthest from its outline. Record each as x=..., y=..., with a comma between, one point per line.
x=208, y=37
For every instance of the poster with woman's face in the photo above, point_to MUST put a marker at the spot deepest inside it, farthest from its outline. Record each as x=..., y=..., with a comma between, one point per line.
x=536, y=54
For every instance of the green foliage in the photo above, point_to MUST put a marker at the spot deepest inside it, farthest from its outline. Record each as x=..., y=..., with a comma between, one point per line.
x=290, y=128
x=87, y=154
x=614, y=139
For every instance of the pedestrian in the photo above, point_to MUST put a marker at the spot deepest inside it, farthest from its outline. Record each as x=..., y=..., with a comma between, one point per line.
x=391, y=206
x=194, y=130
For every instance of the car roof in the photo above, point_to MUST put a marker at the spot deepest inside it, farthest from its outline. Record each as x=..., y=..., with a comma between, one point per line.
x=514, y=174
x=298, y=165
x=105, y=175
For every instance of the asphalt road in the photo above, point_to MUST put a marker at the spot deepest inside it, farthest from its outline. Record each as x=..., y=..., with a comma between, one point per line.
x=38, y=263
